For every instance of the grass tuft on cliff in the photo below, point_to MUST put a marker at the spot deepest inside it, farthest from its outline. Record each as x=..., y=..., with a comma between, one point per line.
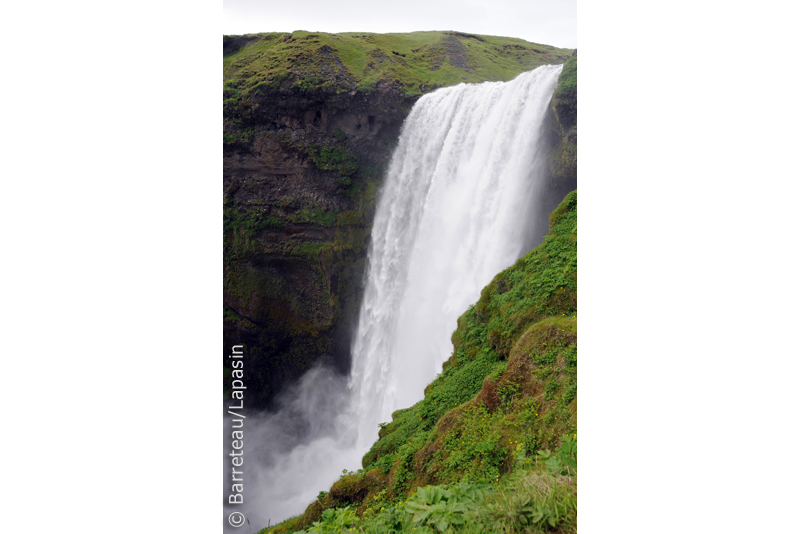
x=476, y=454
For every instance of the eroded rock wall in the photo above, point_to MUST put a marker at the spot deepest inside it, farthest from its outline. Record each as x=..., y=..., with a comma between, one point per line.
x=300, y=186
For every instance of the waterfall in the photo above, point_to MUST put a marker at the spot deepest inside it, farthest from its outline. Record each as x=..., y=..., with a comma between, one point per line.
x=455, y=210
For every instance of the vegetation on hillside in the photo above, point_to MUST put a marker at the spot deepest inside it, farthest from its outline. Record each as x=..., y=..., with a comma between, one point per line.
x=336, y=63
x=540, y=495
x=475, y=453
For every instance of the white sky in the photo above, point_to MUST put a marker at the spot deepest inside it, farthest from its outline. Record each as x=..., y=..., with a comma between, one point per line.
x=552, y=22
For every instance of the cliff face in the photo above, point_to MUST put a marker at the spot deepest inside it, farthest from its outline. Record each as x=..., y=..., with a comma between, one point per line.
x=561, y=142
x=299, y=198
x=563, y=125
x=309, y=124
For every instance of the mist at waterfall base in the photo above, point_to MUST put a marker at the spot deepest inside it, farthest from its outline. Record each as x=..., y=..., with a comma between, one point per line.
x=457, y=207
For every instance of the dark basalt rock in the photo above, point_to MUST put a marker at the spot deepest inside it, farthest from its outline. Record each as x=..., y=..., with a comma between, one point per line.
x=292, y=284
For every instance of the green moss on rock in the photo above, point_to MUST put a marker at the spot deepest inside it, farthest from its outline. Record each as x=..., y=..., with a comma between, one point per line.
x=564, y=108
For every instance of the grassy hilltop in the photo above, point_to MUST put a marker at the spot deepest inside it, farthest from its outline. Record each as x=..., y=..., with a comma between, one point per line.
x=419, y=61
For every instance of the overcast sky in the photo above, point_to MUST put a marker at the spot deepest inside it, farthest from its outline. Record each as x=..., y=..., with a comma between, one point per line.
x=552, y=22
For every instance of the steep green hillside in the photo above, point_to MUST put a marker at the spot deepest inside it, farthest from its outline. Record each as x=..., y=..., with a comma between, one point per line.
x=507, y=395
x=309, y=124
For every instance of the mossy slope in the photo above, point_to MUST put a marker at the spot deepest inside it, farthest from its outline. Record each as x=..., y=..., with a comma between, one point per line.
x=507, y=393
x=510, y=378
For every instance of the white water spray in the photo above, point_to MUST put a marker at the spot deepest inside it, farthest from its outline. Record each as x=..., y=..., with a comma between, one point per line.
x=454, y=212
x=456, y=209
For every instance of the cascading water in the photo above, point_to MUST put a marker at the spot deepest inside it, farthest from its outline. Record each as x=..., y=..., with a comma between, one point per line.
x=456, y=209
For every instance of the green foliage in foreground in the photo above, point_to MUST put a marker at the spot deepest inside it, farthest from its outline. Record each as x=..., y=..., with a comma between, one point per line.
x=474, y=454
x=540, y=495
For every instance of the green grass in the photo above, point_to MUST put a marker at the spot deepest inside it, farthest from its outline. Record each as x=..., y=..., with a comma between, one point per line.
x=242, y=136
x=540, y=495
x=240, y=228
x=336, y=63
x=568, y=79
x=565, y=98
x=319, y=216
x=334, y=159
